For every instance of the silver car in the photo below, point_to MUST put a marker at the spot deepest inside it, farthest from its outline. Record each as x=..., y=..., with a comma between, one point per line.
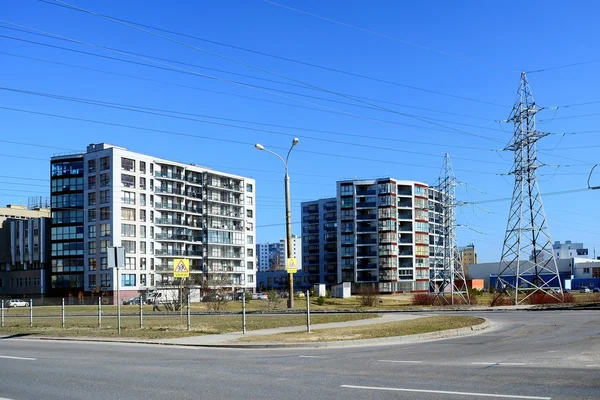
x=16, y=303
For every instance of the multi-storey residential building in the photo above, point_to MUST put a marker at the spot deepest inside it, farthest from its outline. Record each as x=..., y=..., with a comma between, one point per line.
x=468, y=256
x=296, y=251
x=67, y=237
x=24, y=251
x=385, y=231
x=158, y=210
x=268, y=256
x=569, y=249
x=319, y=241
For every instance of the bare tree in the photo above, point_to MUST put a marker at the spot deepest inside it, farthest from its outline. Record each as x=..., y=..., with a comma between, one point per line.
x=368, y=295
x=215, y=290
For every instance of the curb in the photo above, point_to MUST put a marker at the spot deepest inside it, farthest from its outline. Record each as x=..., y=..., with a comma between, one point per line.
x=394, y=340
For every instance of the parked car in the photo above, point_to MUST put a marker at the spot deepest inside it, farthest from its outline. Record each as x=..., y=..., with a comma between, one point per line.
x=584, y=290
x=596, y=290
x=17, y=303
x=131, y=301
x=259, y=296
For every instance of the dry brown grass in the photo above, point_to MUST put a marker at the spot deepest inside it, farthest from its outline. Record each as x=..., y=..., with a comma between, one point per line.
x=390, y=329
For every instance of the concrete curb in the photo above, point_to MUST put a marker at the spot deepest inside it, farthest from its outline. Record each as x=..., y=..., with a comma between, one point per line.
x=395, y=340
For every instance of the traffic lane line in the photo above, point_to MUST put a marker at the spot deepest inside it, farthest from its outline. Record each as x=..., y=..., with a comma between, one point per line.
x=19, y=358
x=505, y=396
x=401, y=361
x=312, y=357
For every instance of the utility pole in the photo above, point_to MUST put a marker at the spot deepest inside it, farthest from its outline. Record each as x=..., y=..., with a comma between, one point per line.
x=527, y=233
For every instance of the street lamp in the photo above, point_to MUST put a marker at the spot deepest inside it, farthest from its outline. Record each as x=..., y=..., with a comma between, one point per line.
x=288, y=213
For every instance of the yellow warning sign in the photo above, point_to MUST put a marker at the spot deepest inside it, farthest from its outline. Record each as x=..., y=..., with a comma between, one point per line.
x=291, y=266
x=181, y=268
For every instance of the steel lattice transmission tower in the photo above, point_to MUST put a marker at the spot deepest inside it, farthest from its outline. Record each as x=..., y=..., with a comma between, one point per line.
x=527, y=265
x=452, y=276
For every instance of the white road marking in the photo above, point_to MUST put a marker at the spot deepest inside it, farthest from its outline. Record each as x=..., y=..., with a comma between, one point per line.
x=399, y=361
x=19, y=358
x=512, y=363
x=484, y=363
x=506, y=396
x=593, y=365
x=4, y=398
x=312, y=357
x=497, y=363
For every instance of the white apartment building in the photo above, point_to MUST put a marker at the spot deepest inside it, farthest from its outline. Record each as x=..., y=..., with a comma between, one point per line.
x=160, y=210
x=268, y=256
x=319, y=241
x=296, y=251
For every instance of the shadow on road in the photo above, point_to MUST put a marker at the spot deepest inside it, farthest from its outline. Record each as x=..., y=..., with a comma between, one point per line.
x=16, y=335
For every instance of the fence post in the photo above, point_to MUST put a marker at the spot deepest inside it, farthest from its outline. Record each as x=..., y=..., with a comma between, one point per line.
x=189, y=322
x=63, y=312
x=99, y=312
x=30, y=312
x=2, y=308
x=308, y=311
x=244, y=312
x=141, y=313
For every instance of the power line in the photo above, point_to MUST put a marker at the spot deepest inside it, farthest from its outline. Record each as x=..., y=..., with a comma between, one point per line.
x=250, y=86
x=227, y=140
x=247, y=97
x=279, y=57
x=564, y=66
x=136, y=109
x=23, y=178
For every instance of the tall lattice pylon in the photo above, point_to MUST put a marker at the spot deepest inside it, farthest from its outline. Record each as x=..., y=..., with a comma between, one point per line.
x=451, y=277
x=527, y=265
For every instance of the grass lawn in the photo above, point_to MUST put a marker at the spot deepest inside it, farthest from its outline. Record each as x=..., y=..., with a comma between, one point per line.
x=156, y=326
x=401, y=328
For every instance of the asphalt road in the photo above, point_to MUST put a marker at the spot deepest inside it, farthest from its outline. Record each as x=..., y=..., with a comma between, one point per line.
x=527, y=355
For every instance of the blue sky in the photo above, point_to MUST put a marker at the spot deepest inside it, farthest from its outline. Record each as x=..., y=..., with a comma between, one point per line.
x=432, y=55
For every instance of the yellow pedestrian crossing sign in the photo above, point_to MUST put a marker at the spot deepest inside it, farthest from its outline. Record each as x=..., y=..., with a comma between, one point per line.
x=290, y=265
x=181, y=268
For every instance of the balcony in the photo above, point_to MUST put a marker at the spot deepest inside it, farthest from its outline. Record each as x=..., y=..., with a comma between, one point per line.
x=366, y=217
x=405, y=228
x=330, y=257
x=229, y=214
x=224, y=185
x=366, y=228
x=404, y=203
x=366, y=266
x=226, y=200
x=366, y=279
x=167, y=190
x=179, y=222
x=168, y=175
x=330, y=207
x=235, y=256
x=366, y=241
x=127, y=200
x=368, y=254
x=177, y=253
x=195, y=194
x=366, y=192
x=404, y=192
x=405, y=215
x=312, y=209
x=366, y=204
x=226, y=227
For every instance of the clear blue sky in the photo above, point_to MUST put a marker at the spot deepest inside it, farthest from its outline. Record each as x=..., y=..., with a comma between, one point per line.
x=466, y=49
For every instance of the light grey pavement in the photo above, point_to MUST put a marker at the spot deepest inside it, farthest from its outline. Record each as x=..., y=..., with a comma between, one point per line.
x=230, y=338
x=525, y=355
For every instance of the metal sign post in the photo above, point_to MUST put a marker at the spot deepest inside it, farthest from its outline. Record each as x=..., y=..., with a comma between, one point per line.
x=2, y=312
x=141, y=313
x=308, y=311
x=116, y=260
x=30, y=312
x=99, y=312
x=63, y=311
x=189, y=317
x=244, y=312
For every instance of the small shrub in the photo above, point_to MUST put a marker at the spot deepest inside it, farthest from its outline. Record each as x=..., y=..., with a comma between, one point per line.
x=328, y=294
x=424, y=299
x=248, y=296
x=501, y=300
x=545, y=298
x=492, y=290
x=320, y=300
x=475, y=292
x=368, y=295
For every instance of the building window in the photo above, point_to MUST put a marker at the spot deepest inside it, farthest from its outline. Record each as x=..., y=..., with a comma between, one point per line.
x=143, y=247
x=129, y=246
x=249, y=213
x=151, y=168
x=143, y=215
x=105, y=197
x=92, y=281
x=91, y=182
x=143, y=183
x=250, y=239
x=143, y=231
x=104, y=230
x=91, y=231
x=104, y=213
x=128, y=197
x=143, y=264
x=128, y=180
x=104, y=180
x=586, y=270
x=143, y=280
x=105, y=280
x=250, y=252
x=143, y=167
x=91, y=248
x=103, y=263
x=92, y=264
x=129, y=262
x=142, y=199
x=92, y=199
x=250, y=278
x=104, y=246
x=91, y=166
x=249, y=187
x=104, y=163
x=128, y=280
x=249, y=201
x=128, y=214
x=92, y=215
x=250, y=265
x=128, y=164
x=128, y=230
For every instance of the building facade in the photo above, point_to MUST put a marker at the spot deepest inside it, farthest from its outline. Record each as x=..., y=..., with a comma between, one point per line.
x=268, y=256
x=24, y=251
x=296, y=251
x=569, y=249
x=158, y=210
x=468, y=256
x=319, y=241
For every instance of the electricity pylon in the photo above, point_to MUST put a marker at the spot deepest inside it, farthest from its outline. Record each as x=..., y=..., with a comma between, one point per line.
x=452, y=276
x=527, y=265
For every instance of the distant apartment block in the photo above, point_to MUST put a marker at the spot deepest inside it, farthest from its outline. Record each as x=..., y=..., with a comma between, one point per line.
x=319, y=241
x=24, y=251
x=272, y=256
x=468, y=256
x=386, y=232
x=296, y=251
x=158, y=210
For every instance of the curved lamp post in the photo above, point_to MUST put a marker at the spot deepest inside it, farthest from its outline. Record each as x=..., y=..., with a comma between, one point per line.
x=288, y=212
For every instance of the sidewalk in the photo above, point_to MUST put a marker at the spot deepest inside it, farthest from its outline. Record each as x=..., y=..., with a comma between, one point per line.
x=228, y=338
